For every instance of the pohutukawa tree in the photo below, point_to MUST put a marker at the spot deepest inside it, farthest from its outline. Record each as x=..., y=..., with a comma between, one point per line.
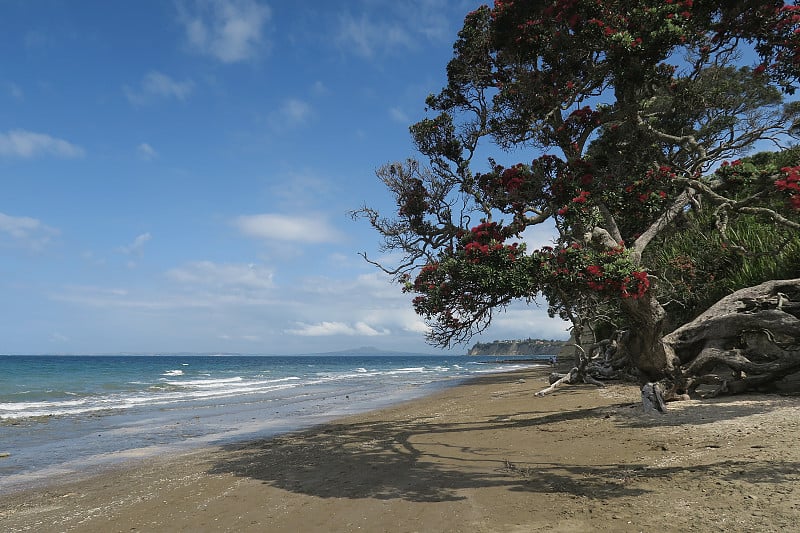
x=627, y=115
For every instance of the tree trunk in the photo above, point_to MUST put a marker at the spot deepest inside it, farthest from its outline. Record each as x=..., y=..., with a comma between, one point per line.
x=643, y=341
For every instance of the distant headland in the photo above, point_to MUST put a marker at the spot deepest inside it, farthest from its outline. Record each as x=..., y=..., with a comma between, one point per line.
x=518, y=347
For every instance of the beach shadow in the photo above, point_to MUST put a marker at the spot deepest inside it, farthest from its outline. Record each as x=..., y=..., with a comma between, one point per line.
x=706, y=411
x=379, y=461
x=428, y=459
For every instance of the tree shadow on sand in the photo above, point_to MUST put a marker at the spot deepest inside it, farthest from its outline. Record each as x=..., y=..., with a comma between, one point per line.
x=709, y=410
x=411, y=460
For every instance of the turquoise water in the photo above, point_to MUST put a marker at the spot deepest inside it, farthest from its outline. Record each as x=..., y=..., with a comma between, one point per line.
x=69, y=414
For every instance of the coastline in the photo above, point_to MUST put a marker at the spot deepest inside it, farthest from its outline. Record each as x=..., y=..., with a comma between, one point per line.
x=484, y=455
x=85, y=412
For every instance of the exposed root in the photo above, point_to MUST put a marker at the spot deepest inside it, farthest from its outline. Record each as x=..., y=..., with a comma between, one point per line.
x=747, y=341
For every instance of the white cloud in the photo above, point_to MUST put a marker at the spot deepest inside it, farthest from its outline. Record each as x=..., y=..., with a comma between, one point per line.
x=137, y=246
x=146, y=152
x=228, y=30
x=522, y=320
x=398, y=116
x=26, y=231
x=417, y=326
x=207, y=273
x=27, y=144
x=367, y=305
x=392, y=26
x=292, y=113
x=336, y=328
x=157, y=85
x=275, y=227
x=540, y=235
x=366, y=37
x=394, y=310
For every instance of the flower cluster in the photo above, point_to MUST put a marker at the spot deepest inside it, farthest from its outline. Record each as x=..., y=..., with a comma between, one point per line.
x=736, y=173
x=433, y=285
x=780, y=50
x=633, y=285
x=578, y=123
x=519, y=188
x=609, y=272
x=457, y=286
x=425, y=281
x=652, y=185
x=487, y=232
x=747, y=177
x=511, y=179
x=573, y=186
x=485, y=243
x=791, y=184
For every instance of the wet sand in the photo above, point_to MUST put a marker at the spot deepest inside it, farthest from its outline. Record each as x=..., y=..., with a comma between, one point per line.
x=485, y=456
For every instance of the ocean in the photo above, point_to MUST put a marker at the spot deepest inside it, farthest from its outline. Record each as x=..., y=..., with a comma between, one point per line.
x=70, y=415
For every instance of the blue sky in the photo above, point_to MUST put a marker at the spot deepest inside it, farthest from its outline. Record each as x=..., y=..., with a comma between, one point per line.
x=177, y=176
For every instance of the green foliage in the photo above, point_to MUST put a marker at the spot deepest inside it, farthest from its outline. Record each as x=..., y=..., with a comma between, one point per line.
x=629, y=104
x=698, y=265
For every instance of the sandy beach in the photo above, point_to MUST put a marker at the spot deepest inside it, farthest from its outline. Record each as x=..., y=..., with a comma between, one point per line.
x=486, y=456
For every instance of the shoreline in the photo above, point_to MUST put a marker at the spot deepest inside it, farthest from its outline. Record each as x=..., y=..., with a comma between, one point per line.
x=84, y=467
x=215, y=402
x=484, y=455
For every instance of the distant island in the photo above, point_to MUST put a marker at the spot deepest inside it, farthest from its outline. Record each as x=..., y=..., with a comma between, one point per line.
x=518, y=347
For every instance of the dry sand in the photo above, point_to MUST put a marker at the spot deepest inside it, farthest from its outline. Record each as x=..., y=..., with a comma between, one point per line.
x=486, y=456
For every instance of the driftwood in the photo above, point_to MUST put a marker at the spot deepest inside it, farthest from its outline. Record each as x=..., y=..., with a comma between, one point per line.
x=596, y=362
x=582, y=372
x=574, y=376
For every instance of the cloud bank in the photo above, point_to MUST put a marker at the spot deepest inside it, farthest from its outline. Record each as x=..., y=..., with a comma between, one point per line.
x=309, y=229
x=26, y=231
x=28, y=144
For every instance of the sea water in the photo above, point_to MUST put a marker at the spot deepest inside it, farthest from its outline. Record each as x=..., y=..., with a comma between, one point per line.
x=63, y=415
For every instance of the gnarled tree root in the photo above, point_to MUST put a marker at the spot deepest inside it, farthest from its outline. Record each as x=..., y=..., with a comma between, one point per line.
x=747, y=341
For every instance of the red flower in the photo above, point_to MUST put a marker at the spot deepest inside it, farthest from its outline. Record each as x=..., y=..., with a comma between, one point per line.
x=643, y=282
x=594, y=270
x=581, y=198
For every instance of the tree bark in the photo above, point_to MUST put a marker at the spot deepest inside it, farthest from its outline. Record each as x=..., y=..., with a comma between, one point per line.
x=747, y=341
x=643, y=344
